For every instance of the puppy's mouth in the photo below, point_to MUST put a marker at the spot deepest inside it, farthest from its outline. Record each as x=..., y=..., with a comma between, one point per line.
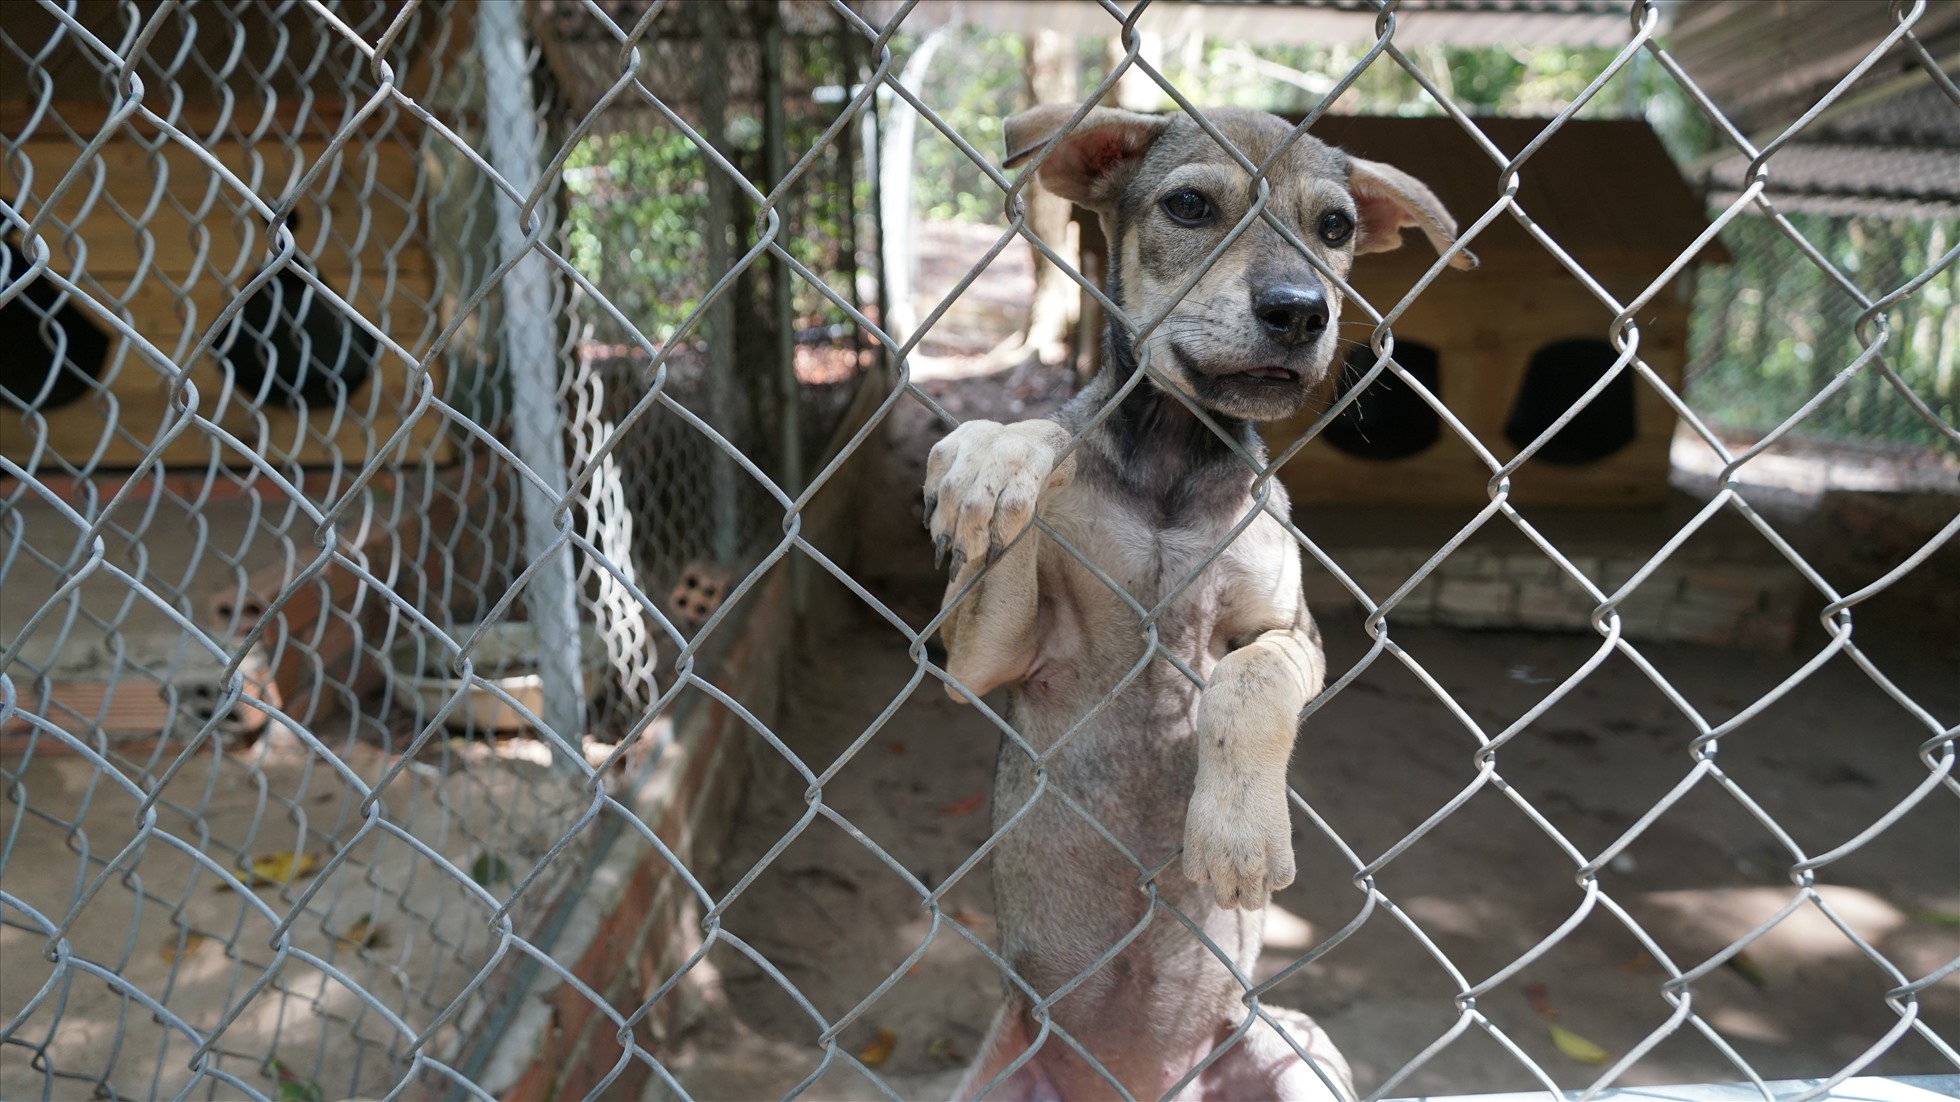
x=1257, y=391
x=1272, y=374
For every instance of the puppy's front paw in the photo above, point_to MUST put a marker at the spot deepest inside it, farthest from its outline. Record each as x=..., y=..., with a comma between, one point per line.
x=983, y=482
x=1239, y=842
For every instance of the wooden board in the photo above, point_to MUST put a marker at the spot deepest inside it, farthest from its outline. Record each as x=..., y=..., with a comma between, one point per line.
x=162, y=241
x=1483, y=353
x=1604, y=189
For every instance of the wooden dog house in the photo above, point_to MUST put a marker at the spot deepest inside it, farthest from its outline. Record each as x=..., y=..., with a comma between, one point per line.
x=1510, y=346
x=161, y=243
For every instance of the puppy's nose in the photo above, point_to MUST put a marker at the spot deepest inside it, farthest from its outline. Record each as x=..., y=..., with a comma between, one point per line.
x=1291, y=314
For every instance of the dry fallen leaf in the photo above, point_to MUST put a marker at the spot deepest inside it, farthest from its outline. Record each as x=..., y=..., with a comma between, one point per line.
x=171, y=954
x=970, y=804
x=363, y=934
x=897, y=747
x=1745, y=966
x=879, y=1050
x=291, y=1087
x=283, y=867
x=942, y=1048
x=1636, y=963
x=1576, y=1047
x=1541, y=1001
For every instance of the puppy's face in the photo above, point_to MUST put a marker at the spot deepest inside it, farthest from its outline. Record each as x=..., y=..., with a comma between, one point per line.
x=1254, y=335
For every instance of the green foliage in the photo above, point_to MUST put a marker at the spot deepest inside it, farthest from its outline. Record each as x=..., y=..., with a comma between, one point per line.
x=1522, y=82
x=637, y=218
x=1773, y=329
x=635, y=225
x=977, y=78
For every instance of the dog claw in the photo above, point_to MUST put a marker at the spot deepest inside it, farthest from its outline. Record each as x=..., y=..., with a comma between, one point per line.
x=939, y=545
x=959, y=560
x=993, y=553
x=932, y=506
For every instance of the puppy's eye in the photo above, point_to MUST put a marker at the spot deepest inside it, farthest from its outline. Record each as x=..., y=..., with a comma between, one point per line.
x=1336, y=226
x=1187, y=207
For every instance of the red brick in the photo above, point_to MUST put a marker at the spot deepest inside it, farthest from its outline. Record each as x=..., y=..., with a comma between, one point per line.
x=627, y=957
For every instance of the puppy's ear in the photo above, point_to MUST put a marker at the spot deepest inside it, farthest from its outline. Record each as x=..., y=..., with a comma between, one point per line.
x=1390, y=199
x=1095, y=161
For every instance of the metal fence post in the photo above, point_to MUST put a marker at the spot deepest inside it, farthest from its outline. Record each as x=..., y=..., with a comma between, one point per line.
x=537, y=430
x=775, y=139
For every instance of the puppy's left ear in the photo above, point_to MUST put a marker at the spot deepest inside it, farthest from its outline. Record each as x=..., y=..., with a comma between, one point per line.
x=1390, y=199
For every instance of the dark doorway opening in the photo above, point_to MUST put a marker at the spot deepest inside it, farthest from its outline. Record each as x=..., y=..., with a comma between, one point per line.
x=1389, y=420
x=53, y=352
x=1559, y=375
x=289, y=346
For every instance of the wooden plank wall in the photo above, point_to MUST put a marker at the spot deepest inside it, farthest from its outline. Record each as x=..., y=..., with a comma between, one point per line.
x=1485, y=325
x=163, y=241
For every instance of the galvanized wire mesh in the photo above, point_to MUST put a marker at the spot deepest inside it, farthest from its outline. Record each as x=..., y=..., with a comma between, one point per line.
x=1779, y=330
x=333, y=865
x=269, y=595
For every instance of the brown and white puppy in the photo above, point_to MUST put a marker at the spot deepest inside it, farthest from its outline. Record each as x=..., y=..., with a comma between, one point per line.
x=1148, y=494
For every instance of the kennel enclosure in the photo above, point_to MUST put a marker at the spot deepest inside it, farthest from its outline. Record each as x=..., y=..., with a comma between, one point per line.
x=438, y=439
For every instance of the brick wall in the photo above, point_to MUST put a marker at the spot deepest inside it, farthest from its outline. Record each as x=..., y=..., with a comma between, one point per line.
x=1744, y=601
x=638, y=921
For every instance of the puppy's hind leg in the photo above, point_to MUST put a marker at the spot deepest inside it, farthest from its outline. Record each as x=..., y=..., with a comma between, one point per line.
x=1006, y=1040
x=1263, y=1064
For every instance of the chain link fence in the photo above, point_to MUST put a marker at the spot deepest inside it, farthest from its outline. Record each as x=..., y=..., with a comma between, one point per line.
x=1776, y=332
x=415, y=408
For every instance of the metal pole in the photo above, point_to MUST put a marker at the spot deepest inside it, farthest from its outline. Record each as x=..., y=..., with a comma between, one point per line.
x=722, y=397
x=846, y=183
x=871, y=147
x=538, y=417
x=895, y=188
x=775, y=139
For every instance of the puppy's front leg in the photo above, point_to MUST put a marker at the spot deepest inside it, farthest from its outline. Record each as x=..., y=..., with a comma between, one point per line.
x=1237, y=833
x=983, y=484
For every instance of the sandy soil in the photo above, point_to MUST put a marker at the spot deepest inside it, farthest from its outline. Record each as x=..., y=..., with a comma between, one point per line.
x=835, y=920
x=404, y=928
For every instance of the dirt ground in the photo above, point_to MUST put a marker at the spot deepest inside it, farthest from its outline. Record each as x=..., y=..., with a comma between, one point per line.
x=835, y=921
x=399, y=925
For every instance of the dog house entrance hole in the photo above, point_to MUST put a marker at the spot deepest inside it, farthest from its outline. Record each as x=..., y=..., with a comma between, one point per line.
x=54, y=351
x=290, y=346
x=1389, y=420
x=1559, y=375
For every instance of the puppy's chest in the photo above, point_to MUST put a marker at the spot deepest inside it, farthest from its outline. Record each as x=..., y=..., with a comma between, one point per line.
x=1149, y=559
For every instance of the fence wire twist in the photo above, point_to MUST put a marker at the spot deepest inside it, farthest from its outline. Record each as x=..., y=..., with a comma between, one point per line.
x=278, y=523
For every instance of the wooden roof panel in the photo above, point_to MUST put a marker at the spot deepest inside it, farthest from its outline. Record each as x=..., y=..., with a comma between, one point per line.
x=1604, y=189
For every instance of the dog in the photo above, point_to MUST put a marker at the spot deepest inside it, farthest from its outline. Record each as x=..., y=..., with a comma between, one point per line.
x=1148, y=495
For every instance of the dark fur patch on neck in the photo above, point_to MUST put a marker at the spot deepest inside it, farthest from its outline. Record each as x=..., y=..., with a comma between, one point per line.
x=1158, y=451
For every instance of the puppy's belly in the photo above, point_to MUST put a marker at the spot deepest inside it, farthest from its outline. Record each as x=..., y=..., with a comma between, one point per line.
x=1065, y=894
